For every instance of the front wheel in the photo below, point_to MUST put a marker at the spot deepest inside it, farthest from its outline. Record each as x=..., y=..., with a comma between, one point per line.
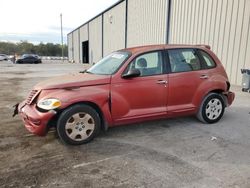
x=212, y=108
x=78, y=124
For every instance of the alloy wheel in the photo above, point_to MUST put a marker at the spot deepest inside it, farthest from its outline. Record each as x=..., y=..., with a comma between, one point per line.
x=214, y=109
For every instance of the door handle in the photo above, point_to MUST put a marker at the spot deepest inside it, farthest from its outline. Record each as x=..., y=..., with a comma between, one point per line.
x=204, y=76
x=161, y=82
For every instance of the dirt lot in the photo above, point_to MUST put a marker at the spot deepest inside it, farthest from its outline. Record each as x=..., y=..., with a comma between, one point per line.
x=169, y=153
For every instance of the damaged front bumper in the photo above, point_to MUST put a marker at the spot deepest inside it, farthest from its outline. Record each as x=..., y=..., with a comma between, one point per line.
x=36, y=122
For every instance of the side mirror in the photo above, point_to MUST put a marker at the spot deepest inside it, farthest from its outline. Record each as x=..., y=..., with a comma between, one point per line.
x=132, y=73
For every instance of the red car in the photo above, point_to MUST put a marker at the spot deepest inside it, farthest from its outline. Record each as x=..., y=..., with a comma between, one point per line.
x=128, y=86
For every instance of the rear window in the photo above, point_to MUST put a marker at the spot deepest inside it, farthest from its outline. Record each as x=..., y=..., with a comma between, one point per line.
x=207, y=59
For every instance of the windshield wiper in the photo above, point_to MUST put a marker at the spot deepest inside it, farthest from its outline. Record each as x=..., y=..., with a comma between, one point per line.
x=89, y=72
x=84, y=71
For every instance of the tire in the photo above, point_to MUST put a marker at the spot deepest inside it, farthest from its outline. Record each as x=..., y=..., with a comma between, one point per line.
x=78, y=124
x=211, y=109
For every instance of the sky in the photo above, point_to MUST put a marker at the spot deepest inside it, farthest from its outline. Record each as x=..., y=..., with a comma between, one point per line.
x=39, y=20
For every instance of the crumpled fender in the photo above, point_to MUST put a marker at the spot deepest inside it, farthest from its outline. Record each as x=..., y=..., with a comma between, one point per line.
x=98, y=95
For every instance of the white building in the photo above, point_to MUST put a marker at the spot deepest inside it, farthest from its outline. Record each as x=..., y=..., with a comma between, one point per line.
x=222, y=24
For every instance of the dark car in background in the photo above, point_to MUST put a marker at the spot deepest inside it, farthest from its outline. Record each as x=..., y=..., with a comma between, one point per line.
x=29, y=58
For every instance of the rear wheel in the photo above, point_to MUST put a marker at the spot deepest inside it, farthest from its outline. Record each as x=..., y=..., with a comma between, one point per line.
x=78, y=124
x=212, y=108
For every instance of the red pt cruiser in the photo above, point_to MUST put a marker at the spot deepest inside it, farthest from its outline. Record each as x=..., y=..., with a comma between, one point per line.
x=128, y=86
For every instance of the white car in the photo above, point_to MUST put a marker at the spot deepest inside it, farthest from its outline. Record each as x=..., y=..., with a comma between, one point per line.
x=3, y=57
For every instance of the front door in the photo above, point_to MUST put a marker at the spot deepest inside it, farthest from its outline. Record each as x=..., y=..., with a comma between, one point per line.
x=142, y=96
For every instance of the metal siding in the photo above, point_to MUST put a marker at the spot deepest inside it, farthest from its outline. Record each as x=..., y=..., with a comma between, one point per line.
x=216, y=24
x=196, y=18
x=231, y=37
x=70, y=47
x=95, y=40
x=173, y=21
x=222, y=28
x=114, y=34
x=146, y=22
x=223, y=24
x=76, y=46
x=188, y=21
x=236, y=41
x=245, y=46
x=213, y=22
x=83, y=37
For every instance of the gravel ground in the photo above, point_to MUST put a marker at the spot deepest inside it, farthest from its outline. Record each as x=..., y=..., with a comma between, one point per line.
x=178, y=152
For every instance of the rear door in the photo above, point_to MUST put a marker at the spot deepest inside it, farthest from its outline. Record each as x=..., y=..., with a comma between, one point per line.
x=142, y=96
x=28, y=59
x=186, y=76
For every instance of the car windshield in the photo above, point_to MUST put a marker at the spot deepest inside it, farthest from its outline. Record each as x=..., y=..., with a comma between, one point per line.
x=25, y=55
x=109, y=64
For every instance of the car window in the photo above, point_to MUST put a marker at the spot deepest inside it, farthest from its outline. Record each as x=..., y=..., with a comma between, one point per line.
x=25, y=55
x=184, y=60
x=149, y=64
x=208, y=60
x=109, y=64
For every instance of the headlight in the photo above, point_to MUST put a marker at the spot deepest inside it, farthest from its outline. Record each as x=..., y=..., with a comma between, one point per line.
x=49, y=104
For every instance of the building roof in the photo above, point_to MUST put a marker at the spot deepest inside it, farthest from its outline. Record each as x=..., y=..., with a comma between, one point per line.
x=112, y=6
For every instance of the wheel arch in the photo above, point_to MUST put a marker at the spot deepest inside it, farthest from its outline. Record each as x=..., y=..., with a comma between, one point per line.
x=215, y=85
x=217, y=91
x=104, y=125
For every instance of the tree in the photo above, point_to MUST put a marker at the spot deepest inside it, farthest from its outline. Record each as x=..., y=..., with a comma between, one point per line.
x=22, y=47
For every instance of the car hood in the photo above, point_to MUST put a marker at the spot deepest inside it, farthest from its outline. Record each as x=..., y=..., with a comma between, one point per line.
x=73, y=80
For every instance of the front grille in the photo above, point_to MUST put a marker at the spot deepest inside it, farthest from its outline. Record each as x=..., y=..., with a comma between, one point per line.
x=31, y=96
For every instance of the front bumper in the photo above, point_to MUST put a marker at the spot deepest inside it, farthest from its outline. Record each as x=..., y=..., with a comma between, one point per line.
x=36, y=122
x=230, y=97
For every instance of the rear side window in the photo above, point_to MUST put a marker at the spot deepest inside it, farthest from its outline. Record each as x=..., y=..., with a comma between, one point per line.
x=184, y=60
x=207, y=59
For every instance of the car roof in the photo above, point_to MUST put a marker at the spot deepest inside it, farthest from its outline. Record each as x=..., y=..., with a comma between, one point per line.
x=27, y=54
x=141, y=49
x=30, y=55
